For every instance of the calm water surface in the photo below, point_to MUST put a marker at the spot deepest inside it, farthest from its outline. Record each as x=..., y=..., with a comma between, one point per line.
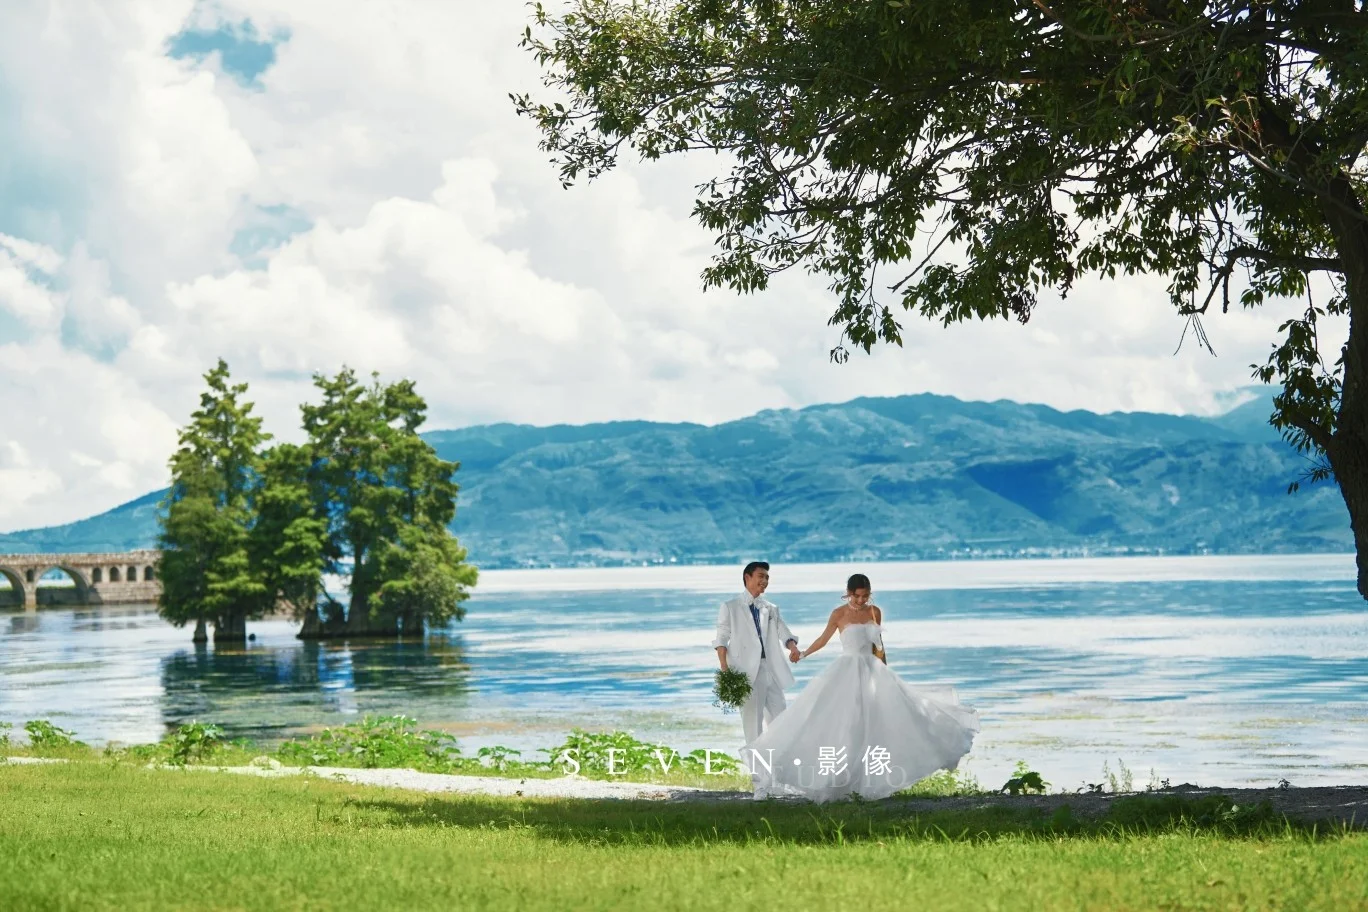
x=1219, y=671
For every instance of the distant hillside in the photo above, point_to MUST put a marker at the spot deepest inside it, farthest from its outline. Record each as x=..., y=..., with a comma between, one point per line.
x=907, y=477
x=125, y=528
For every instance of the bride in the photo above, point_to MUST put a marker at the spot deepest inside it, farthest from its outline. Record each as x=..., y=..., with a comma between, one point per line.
x=858, y=729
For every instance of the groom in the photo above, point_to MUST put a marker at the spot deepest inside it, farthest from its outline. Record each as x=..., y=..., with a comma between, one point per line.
x=751, y=637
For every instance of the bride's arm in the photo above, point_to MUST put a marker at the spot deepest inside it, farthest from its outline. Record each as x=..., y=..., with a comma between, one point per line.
x=822, y=640
x=879, y=646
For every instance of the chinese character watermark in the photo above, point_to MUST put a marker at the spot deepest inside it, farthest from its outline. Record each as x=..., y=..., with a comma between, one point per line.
x=877, y=761
x=827, y=760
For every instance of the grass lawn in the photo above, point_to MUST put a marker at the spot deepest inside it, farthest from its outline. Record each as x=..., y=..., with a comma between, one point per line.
x=101, y=835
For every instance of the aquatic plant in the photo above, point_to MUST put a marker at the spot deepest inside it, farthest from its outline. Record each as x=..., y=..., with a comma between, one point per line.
x=710, y=762
x=1155, y=783
x=1024, y=781
x=944, y=784
x=619, y=752
x=1121, y=781
x=194, y=741
x=498, y=757
x=43, y=735
x=386, y=742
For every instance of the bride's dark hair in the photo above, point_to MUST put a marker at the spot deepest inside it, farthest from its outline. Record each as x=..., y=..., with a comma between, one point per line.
x=857, y=581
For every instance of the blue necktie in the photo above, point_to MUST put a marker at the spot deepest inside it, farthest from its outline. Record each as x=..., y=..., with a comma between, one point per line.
x=755, y=615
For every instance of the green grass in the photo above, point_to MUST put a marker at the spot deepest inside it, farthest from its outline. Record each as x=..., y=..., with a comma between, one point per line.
x=102, y=835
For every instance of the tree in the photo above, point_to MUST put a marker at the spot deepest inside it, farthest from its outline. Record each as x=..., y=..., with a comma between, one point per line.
x=958, y=159
x=206, y=570
x=386, y=499
x=425, y=577
x=289, y=535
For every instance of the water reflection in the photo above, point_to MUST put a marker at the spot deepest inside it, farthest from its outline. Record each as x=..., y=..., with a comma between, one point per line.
x=269, y=691
x=23, y=623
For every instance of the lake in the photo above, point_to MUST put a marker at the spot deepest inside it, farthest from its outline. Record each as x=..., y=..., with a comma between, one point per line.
x=1213, y=670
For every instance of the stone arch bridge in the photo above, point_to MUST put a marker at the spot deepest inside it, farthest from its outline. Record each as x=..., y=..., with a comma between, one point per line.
x=98, y=579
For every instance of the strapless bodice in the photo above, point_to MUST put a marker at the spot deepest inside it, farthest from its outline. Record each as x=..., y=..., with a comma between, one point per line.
x=856, y=639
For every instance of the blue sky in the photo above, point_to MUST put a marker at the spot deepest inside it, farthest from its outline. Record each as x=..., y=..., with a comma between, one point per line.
x=299, y=186
x=243, y=52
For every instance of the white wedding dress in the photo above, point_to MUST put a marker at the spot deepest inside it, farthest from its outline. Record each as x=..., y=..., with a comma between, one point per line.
x=859, y=729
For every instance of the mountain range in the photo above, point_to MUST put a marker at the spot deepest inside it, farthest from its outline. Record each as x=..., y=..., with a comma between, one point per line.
x=909, y=477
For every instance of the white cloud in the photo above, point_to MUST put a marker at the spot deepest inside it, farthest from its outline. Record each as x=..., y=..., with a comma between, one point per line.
x=23, y=268
x=408, y=224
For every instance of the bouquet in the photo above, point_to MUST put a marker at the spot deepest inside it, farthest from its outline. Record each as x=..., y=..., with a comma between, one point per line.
x=730, y=688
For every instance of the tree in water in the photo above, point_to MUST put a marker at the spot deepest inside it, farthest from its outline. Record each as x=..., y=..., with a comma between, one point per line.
x=206, y=569
x=386, y=499
x=955, y=160
x=288, y=537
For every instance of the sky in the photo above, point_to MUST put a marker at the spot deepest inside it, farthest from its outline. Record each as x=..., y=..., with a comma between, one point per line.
x=298, y=186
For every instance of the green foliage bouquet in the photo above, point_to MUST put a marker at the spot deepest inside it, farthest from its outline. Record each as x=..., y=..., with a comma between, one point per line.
x=731, y=688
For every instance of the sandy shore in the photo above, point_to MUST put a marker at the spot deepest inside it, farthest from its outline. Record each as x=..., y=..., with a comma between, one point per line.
x=564, y=787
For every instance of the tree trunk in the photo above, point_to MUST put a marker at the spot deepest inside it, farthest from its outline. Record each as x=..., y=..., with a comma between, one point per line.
x=1347, y=450
x=366, y=625
x=332, y=624
x=201, y=634
x=1351, y=468
x=231, y=629
x=358, y=617
x=411, y=626
x=384, y=625
x=313, y=626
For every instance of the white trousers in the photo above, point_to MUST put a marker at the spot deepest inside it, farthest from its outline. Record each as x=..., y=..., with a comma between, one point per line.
x=766, y=701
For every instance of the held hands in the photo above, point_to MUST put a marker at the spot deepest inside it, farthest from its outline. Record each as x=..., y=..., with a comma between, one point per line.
x=794, y=654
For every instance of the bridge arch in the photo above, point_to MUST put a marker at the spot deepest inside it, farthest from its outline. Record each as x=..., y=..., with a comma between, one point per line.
x=13, y=597
x=48, y=595
x=108, y=578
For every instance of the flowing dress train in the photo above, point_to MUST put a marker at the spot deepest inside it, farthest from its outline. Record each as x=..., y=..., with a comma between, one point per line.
x=859, y=729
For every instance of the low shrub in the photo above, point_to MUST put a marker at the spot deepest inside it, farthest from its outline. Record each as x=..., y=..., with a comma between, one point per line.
x=44, y=736
x=944, y=784
x=376, y=742
x=194, y=741
x=1024, y=781
x=590, y=751
x=499, y=757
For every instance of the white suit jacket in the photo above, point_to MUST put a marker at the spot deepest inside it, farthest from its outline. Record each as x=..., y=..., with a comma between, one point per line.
x=736, y=631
